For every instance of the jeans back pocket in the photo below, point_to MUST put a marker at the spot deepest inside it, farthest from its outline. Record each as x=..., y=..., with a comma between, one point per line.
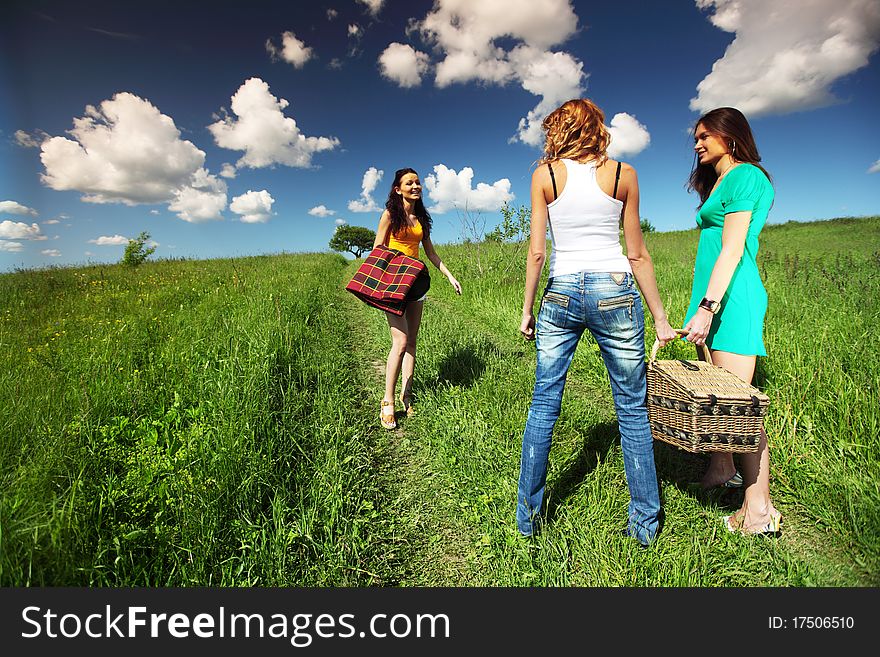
x=554, y=312
x=624, y=301
x=555, y=297
x=617, y=313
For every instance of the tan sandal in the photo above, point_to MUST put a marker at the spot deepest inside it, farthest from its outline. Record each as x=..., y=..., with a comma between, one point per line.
x=386, y=417
x=737, y=525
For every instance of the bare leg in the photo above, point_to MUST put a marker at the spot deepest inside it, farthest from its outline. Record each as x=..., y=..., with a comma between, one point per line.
x=721, y=467
x=398, y=327
x=413, y=317
x=757, y=508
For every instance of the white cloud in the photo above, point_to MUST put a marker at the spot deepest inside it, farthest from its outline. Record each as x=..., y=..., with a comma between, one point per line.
x=331, y=14
x=17, y=230
x=52, y=222
x=355, y=30
x=555, y=76
x=27, y=140
x=450, y=190
x=53, y=253
x=628, y=136
x=786, y=56
x=203, y=200
x=321, y=211
x=227, y=171
x=293, y=51
x=11, y=247
x=154, y=212
x=115, y=240
x=365, y=203
x=874, y=167
x=13, y=207
x=335, y=64
x=467, y=36
x=374, y=6
x=468, y=30
x=262, y=131
x=402, y=64
x=127, y=151
x=254, y=207
x=340, y=222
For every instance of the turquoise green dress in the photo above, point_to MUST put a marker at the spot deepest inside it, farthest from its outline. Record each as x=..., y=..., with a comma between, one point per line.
x=739, y=325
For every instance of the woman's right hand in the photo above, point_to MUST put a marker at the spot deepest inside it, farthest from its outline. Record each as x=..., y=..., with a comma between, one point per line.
x=527, y=326
x=665, y=332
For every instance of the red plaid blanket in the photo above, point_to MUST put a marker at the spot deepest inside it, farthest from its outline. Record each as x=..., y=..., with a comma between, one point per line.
x=387, y=278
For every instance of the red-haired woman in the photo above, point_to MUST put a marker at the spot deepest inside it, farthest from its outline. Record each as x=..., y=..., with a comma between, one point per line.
x=582, y=194
x=728, y=300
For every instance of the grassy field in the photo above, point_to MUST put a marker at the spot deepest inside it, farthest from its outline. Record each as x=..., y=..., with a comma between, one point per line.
x=216, y=423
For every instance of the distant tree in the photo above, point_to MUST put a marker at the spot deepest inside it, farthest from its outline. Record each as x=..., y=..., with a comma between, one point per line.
x=356, y=240
x=135, y=252
x=647, y=226
x=515, y=225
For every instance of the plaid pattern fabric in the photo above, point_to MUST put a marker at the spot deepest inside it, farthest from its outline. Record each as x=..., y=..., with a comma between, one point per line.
x=385, y=279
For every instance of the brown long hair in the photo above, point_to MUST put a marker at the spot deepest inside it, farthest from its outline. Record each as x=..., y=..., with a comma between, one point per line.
x=394, y=205
x=730, y=125
x=575, y=130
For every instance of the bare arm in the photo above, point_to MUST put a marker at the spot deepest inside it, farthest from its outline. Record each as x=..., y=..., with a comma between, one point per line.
x=733, y=242
x=438, y=263
x=639, y=258
x=537, y=250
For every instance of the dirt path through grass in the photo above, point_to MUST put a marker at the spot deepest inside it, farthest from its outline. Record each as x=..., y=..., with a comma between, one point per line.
x=425, y=545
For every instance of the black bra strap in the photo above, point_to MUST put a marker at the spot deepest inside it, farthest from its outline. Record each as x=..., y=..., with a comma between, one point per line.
x=553, y=180
x=616, y=180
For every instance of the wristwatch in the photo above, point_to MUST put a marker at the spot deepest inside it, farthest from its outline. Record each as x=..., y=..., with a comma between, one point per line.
x=712, y=306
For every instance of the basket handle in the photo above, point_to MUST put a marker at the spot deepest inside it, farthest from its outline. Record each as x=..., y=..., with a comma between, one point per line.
x=681, y=332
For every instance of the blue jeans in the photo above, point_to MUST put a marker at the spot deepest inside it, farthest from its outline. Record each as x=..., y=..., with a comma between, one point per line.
x=613, y=313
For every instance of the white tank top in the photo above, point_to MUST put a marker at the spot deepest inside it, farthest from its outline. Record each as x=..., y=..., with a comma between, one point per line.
x=584, y=225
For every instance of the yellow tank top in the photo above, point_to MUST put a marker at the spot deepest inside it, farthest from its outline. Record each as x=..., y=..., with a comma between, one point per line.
x=407, y=241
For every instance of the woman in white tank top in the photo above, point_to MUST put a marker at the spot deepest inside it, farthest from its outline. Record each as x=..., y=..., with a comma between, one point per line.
x=580, y=194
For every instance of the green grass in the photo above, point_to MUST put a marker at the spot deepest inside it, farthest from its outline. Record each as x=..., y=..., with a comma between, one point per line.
x=215, y=423
x=184, y=423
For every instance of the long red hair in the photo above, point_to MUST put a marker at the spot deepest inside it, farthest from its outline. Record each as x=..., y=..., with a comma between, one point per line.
x=576, y=130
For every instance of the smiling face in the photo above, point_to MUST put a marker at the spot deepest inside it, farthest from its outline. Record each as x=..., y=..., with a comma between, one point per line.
x=410, y=188
x=709, y=146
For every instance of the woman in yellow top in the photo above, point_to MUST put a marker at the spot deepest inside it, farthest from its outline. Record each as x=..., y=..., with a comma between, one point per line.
x=403, y=225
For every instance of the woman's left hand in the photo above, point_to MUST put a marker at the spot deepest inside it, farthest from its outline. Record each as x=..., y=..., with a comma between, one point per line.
x=454, y=283
x=698, y=327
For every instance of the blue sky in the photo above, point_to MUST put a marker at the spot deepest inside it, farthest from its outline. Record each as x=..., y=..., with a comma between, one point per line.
x=228, y=129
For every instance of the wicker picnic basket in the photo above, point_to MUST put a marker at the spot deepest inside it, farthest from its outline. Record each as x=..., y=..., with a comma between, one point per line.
x=701, y=407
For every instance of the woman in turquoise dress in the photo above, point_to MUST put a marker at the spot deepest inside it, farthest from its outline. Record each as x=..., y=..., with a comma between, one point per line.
x=728, y=300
